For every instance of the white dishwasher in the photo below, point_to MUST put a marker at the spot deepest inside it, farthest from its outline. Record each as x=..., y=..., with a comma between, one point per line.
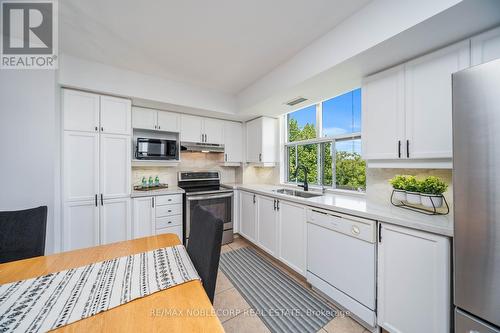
x=341, y=260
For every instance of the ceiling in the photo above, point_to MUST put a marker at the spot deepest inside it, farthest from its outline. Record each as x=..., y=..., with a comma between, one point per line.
x=224, y=45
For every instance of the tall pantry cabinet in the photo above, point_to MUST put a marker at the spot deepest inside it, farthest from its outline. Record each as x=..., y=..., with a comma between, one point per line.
x=96, y=169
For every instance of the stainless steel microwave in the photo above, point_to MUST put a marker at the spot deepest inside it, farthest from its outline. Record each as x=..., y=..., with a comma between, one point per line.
x=156, y=149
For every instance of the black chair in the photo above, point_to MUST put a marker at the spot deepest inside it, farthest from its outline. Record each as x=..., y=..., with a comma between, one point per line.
x=204, y=246
x=22, y=234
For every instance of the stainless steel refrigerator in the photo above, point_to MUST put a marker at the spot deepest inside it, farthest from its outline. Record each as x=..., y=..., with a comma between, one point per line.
x=476, y=183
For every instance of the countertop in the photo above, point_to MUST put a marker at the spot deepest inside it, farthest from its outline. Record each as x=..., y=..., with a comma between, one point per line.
x=361, y=206
x=164, y=191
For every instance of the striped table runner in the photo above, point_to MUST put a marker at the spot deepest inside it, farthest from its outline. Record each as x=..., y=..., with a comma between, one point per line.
x=54, y=300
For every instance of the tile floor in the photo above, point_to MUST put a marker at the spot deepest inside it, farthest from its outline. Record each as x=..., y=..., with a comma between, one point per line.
x=235, y=313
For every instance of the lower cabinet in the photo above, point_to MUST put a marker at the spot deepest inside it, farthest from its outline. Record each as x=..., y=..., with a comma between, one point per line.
x=413, y=281
x=267, y=221
x=248, y=215
x=157, y=215
x=292, y=236
x=95, y=222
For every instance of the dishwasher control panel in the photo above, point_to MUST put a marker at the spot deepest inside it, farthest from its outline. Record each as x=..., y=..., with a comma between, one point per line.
x=353, y=226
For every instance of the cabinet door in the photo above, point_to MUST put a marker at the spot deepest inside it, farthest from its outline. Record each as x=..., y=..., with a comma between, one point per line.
x=292, y=236
x=254, y=141
x=115, y=220
x=81, y=166
x=80, y=111
x=413, y=281
x=233, y=142
x=267, y=224
x=269, y=140
x=116, y=115
x=191, y=128
x=383, y=115
x=213, y=130
x=143, y=217
x=429, y=101
x=80, y=225
x=177, y=230
x=168, y=121
x=143, y=118
x=248, y=219
x=485, y=47
x=115, y=165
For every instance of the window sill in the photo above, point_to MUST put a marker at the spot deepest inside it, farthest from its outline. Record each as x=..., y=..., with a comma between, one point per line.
x=314, y=188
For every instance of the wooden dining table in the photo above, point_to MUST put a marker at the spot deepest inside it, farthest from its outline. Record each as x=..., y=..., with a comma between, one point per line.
x=182, y=308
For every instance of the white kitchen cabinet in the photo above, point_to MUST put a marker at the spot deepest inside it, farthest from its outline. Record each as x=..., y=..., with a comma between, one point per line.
x=292, y=236
x=213, y=130
x=81, y=225
x=413, y=281
x=191, y=128
x=115, y=220
x=407, y=109
x=262, y=141
x=156, y=120
x=248, y=215
x=81, y=111
x=177, y=230
x=383, y=114
x=143, y=217
x=428, y=101
x=116, y=117
x=143, y=118
x=81, y=166
x=115, y=159
x=485, y=47
x=168, y=121
x=233, y=142
x=267, y=224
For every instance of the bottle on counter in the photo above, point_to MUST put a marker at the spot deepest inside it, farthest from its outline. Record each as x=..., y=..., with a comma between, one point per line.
x=157, y=181
x=151, y=182
x=144, y=182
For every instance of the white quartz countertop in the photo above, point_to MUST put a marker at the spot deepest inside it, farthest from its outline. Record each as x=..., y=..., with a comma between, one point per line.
x=358, y=205
x=164, y=191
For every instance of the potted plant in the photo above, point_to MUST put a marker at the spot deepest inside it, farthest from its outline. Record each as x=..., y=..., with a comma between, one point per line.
x=412, y=186
x=398, y=184
x=432, y=189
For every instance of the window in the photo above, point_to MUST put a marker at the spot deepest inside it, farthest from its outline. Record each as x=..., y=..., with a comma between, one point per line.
x=317, y=134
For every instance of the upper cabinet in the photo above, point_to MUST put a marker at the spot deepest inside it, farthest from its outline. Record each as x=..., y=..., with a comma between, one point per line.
x=407, y=109
x=485, y=47
x=87, y=112
x=262, y=141
x=233, y=142
x=150, y=119
x=199, y=129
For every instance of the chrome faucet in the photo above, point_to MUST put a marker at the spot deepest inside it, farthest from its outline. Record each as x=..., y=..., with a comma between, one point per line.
x=303, y=167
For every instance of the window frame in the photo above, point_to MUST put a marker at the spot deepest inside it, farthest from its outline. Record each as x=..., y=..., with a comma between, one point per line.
x=319, y=140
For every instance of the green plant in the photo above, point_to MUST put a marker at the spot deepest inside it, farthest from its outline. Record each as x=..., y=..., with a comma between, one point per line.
x=398, y=182
x=433, y=185
x=411, y=184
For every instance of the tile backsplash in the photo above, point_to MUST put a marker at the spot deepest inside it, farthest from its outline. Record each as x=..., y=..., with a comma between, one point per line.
x=378, y=188
x=190, y=161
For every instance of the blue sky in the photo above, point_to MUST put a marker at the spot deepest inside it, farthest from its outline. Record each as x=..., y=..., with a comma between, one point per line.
x=341, y=114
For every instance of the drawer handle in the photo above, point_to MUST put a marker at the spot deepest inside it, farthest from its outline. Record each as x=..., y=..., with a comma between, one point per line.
x=169, y=222
x=355, y=230
x=169, y=211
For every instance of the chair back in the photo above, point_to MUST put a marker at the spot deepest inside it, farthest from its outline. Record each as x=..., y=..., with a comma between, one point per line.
x=22, y=234
x=204, y=247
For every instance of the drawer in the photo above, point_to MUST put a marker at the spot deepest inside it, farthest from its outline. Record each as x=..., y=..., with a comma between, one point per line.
x=168, y=221
x=168, y=199
x=168, y=210
x=171, y=230
x=349, y=225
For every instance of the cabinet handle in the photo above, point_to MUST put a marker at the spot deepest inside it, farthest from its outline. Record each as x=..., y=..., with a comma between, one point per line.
x=260, y=157
x=206, y=138
x=102, y=200
x=274, y=204
x=159, y=127
x=153, y=202
x=277, y=205
x=96, y=128
x=102, y=129
x=380, y=232
x=407, y=148
x=225, y=157
x=254, y=199
x=399, y=148
x=96, y=200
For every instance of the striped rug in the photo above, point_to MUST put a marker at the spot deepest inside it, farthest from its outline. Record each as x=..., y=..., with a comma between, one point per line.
x=283, y=304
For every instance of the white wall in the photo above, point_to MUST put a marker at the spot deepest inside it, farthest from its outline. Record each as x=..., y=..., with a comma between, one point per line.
x=83, y=74
x=30, y=141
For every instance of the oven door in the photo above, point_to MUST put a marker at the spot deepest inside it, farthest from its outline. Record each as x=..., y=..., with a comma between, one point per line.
x=219, y=204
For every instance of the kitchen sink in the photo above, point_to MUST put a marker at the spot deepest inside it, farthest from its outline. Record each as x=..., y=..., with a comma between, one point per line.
x=296, y=193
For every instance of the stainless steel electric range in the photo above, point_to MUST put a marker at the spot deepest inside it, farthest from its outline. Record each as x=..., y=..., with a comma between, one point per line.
x=203, y=188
